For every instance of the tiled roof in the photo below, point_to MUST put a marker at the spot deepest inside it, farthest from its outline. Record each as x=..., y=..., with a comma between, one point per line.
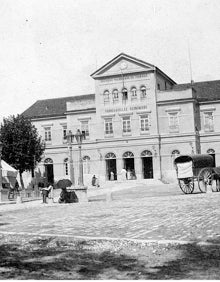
x=53, y=107
x=205, y=90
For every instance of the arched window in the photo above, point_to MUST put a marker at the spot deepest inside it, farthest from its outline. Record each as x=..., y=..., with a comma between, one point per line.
x=124, y=94
x=66, y=168
x=106, y=96
x=146, y=153
x=86, y=164
x=174, y=155
x=48, y=161
x=133, y=93
x=110, y=156
x=128, y=155
x=143, y=92
x=115, y=95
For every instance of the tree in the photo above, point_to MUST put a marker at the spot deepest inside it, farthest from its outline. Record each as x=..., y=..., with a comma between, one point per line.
x=22, y=146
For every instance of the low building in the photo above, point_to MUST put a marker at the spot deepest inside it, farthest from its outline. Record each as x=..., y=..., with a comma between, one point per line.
x=138, y=119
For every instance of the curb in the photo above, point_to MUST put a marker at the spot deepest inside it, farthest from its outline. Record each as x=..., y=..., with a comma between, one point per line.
x=137, y=241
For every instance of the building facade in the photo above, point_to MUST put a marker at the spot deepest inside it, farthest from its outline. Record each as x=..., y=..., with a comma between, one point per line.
x=138, y=119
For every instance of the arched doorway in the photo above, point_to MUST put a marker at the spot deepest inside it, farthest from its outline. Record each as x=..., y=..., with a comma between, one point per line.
x=48, y=164
x=174, y=154
x=147, y=164
x=128, y=158
x=212, y=153
x=110, y=160
x=86, y=164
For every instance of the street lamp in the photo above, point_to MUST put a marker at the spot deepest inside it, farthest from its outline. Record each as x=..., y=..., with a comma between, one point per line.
x=70, y=137
x=1, y=147
x=79, y=138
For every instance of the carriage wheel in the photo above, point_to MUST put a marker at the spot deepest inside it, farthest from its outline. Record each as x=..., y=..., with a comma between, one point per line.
x=186, y=185
x=217, y=185
x=205, y=178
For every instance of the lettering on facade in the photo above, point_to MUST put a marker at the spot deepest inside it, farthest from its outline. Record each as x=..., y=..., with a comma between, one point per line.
x=124, y=109
x=124, y=77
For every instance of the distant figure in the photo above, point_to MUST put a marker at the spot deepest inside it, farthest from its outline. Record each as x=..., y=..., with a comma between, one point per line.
x=128, y=174
x=112, y=177
x=16, y=186
x=133, y=176
x=123, y=174
x=45, y=192
x=94, y=180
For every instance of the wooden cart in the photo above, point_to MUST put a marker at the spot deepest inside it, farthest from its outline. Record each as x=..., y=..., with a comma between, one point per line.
x=200, y=168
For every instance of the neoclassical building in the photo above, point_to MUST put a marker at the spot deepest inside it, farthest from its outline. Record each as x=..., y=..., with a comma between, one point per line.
x=138, y=119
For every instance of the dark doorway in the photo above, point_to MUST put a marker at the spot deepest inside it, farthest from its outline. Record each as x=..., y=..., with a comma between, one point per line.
x=128, y=158
x=147, y=165
x=49, y=173
x=111, y=167
x=129, y=164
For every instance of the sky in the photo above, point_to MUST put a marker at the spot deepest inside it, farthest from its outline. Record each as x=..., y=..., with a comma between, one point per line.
x=49, y=48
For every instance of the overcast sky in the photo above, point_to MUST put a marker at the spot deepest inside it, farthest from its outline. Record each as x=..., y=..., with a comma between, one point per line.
x=49, y=48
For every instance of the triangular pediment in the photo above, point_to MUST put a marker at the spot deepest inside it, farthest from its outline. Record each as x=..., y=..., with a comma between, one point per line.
x=122, y=64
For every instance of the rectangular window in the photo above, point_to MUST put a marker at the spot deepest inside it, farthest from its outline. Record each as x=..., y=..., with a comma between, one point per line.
x=173, y=122
x=126, y=124
x=85, y=128
x=208, y=121
x=65, y=132
x=108, y=126
x=47, y=133
x=144, y=123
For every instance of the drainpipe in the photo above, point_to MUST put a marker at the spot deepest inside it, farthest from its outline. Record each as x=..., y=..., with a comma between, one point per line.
x=158, y=129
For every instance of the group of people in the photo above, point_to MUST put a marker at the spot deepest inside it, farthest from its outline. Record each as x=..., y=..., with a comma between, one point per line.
x=127, y=174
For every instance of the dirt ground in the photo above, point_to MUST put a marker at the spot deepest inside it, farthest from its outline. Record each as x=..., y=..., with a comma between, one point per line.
x=46, y=258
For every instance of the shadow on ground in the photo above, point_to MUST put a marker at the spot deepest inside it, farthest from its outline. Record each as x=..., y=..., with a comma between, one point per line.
x=50, y=258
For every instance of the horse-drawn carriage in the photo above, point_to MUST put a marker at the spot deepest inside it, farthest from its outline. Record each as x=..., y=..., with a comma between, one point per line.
x=200, y=168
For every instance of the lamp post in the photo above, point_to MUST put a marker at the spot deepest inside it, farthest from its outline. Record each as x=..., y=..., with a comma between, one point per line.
x=79, y=137
x=1, y=146
x=70, y=137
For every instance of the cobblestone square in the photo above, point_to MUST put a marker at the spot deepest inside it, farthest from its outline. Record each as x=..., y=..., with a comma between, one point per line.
x=145, y=213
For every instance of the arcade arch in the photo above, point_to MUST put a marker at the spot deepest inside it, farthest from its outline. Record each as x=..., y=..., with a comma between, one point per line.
x=111, y=165
x=147, y=164
x=48, y=165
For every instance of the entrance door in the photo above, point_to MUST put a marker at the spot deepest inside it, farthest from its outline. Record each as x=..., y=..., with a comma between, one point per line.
x=111, y=166
x=128, y=158
x=147, y=164
x=48, y=163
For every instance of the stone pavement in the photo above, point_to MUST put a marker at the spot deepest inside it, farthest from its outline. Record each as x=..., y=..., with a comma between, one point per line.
x=146, y=212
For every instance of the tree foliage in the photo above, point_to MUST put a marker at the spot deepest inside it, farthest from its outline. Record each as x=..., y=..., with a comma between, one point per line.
x=22, y=145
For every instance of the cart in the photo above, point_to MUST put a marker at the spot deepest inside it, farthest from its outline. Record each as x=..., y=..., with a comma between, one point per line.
x=200, y=168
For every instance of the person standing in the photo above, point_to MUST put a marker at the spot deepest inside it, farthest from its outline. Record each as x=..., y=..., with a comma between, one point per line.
x=45, y=192
x=123, y=174
x=112, y=177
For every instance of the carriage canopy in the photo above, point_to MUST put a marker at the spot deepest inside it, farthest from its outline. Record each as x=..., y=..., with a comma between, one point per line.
x=198, y=161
